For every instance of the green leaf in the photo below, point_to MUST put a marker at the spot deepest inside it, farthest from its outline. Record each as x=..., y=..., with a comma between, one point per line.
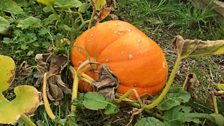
x=51, y=18
x=30, y=53
x=10, y=6
x=218, y=119
x=24, y=47
x=30, y=22
x=66, y=4
x=4, y=25
x=178, y=115
x=27, y=97
x=65, y=27
x=47, y=9
x=99, y=4
x=43, y=31
x=111, y=109
x=83, y=8
x=220, y=87
x=46, y=2
x=94, y=101
x=7, y=72
x=149, y=121
x=6, y=40
x=174, y=97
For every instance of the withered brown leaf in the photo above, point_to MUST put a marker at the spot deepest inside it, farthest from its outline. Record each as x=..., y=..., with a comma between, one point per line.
x=191, y=84
x=53, y=64
x=106, y=83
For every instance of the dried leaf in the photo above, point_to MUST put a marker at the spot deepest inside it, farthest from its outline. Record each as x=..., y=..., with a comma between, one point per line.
x=103, y=13
x=106, y=83
x=53, y=64
x=27, y=97
x=189, y=47
x=191, y=84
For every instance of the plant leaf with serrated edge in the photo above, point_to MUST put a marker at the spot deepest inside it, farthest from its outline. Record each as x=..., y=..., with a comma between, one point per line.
x=96, y=101
x=149, y=121
x=111, y=109
x=30, y=22
x=180, y=114
x=175, y=97
x=10, y=6
x=27, y=97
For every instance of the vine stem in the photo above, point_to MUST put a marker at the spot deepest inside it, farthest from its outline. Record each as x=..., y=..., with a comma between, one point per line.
x=168, y=85
x=215, y=104
x=46, y=102
x=27, y=120
x=74, y=87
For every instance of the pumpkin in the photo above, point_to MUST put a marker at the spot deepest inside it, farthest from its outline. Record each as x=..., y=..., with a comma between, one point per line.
x=132, y=56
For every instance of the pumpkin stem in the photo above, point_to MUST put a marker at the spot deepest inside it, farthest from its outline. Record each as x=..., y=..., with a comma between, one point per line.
x=86, y=64
x=214, y=100
x=87, y=78
x=127, y=94
x=45, y=99
x=168, y=85
x=27, y=120
x=74, y=87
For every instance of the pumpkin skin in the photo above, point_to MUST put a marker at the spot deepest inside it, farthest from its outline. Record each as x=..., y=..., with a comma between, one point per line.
x=133, y=57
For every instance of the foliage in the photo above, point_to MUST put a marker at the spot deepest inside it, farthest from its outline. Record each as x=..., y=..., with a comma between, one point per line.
x=27, y=97
x=27, y=32
x=174, y=97
x=95, y=101
x=149, y=121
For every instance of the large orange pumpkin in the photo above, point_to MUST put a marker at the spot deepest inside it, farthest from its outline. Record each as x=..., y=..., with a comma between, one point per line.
x=133, y=57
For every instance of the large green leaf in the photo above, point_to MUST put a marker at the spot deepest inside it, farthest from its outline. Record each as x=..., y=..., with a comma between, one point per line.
x=149, y=121
x=175, y=97
x=96, y=101
x=27, y=97
x=10, y=6
x=218, y=119
x=30, y=22
x=26, y=101
x=4, y=25
x=179, y=115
